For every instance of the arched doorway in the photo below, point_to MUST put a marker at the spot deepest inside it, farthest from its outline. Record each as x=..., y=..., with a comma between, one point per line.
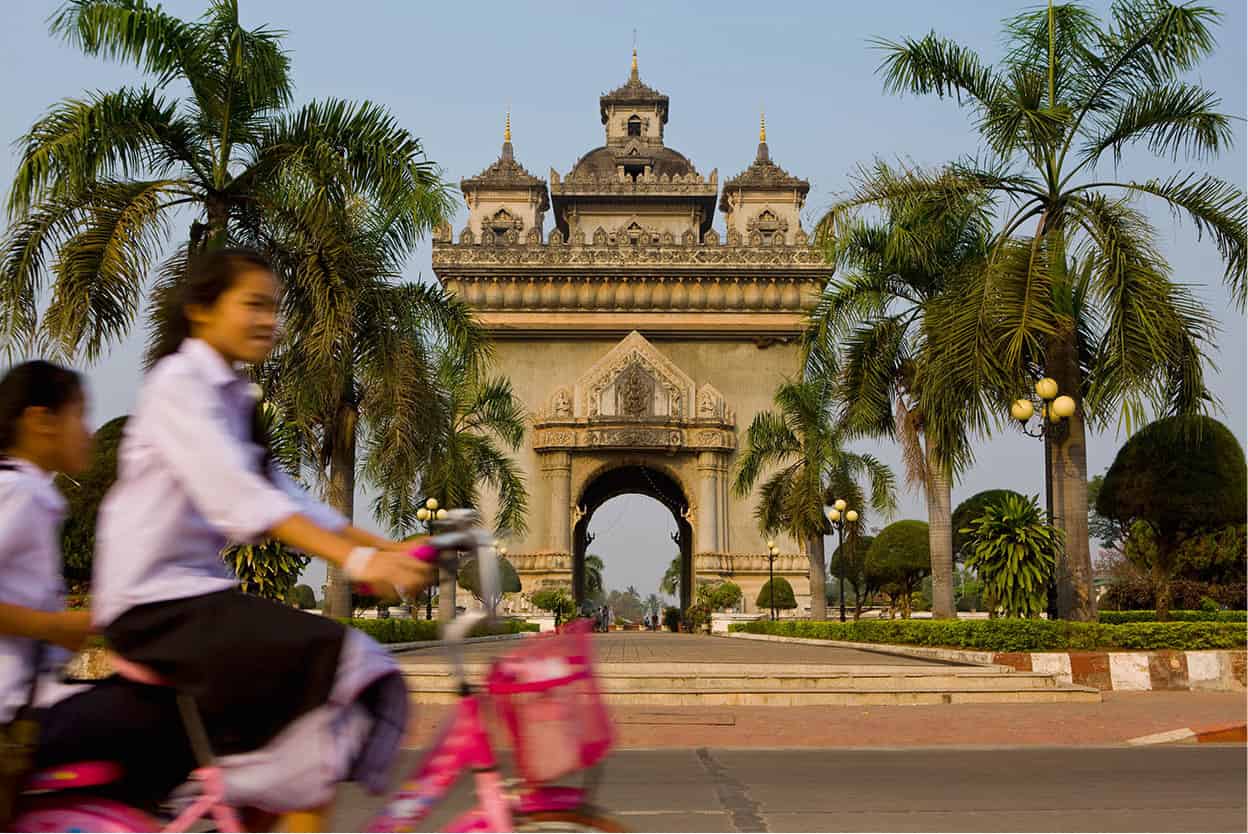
x=633, y=479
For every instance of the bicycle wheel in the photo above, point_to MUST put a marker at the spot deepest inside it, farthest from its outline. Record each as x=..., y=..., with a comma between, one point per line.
x=81, y=813
x=569, y=821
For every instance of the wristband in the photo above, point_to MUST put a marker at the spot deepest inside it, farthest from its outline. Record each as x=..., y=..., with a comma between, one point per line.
x=357, y=561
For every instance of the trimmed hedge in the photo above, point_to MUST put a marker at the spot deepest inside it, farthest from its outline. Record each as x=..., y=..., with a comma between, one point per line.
x=1014, y=635
x=1119, y=617
x=394, y=630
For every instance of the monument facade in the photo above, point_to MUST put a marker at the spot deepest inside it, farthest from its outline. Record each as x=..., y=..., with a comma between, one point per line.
x=641, y=342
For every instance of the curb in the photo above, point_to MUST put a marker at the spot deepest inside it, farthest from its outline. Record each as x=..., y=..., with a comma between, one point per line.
x=418, y=645
x=1222, y=734
x=1216, y=670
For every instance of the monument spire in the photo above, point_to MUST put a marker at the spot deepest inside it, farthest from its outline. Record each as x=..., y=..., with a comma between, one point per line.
x=763, y=155
x=633, y=76
x=507, y=151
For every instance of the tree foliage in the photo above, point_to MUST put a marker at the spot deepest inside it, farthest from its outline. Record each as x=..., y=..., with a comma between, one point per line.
x=302, y=597
x=268, y=569
x=470, y=580
x=1074, y=286
x=555, y=600
x=1014, y=553
x=1177, y=477
x=898, y=559
x=83, y=495
x=802, y=445
x=968, y=512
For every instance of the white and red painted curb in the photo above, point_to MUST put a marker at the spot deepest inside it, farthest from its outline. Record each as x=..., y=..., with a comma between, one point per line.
x=1225, y=734
x=1215, y=669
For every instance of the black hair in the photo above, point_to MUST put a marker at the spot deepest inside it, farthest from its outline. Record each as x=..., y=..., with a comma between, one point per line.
x=35, y=384
x=208, y=276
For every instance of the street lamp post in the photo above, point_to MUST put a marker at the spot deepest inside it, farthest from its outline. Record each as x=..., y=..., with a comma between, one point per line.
x=772, y=550
x=1054, y=409
x=426, y=515
x=500, y=552
x=840, y=515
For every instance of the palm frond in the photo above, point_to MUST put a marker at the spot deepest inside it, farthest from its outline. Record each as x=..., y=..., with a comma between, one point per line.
x=1171, y=119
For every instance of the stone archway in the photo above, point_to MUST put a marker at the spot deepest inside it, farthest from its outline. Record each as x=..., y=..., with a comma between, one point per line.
x=632, y=479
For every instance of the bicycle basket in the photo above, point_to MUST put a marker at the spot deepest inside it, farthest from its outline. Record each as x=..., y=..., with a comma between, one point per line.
x=549, y=701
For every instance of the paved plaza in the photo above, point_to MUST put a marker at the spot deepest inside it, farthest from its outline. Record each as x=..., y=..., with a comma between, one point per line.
x=1089, y=789
x=664, y=647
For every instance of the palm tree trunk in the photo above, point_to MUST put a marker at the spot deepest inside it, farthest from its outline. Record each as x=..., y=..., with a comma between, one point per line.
x=818, y=574
x=341, y=496
x=1069, y=474
x=218, y=223
x=939, y=534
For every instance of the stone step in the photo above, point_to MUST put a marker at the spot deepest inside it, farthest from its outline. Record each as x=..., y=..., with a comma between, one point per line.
x=645, y=681
x=764, y=697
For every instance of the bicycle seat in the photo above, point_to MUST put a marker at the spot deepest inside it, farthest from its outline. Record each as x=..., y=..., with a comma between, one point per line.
x=73, y=775
x=136, y=672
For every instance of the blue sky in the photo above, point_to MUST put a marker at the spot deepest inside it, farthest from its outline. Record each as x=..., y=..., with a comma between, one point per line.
x=449, y=71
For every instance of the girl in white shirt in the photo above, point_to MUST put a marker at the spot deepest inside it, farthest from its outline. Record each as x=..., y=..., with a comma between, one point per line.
x=294, y=703
x=43, y=430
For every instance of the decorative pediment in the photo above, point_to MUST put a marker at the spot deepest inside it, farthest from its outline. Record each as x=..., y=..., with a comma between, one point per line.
x=634, y=381
x=711, y=405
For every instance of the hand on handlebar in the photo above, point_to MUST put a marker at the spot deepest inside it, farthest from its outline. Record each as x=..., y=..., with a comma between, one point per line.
x=391, y=573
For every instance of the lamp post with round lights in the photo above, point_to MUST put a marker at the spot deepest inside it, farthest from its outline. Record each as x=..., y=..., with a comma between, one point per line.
x=772, y=552
x=426, y=515
x=1054, y=409
x=840, y=515
x=500, y=552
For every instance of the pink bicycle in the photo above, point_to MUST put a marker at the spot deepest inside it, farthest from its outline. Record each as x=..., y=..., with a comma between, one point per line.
x=544, y=693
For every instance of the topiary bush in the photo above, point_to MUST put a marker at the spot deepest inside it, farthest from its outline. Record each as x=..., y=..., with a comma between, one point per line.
x=783, y=595
x=897, y=561
x=470, y=580
x=671, y=619
x=302, y=596
x=1015, y=635
x=83, y=496
x=1178, y=475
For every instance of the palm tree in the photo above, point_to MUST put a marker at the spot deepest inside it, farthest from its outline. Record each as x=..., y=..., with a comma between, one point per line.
x=358, y=374
x=670, y=583
x=654, y=606
x=803, y=439
x=593, y=574
x=477, y=422
x=101, y=177
x=896, y=266
x=1071, y=92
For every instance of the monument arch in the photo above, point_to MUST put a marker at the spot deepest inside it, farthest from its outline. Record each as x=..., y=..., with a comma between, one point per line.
x=641, y=340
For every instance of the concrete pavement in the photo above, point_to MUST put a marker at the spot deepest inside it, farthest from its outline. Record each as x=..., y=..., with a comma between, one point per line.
x=949, y=789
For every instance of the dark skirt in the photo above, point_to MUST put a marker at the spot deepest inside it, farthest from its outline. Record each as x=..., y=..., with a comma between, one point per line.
x=114, y=720
x=251, y=665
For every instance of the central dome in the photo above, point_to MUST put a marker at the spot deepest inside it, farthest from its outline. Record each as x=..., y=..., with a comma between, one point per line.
x=601, y=162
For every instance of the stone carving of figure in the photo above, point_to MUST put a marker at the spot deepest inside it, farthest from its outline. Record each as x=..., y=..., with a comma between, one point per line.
x=562, y=403
x=634, y=392
x=707, y=405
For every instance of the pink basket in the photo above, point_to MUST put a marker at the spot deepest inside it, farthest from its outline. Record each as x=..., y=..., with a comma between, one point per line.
x=548, y=698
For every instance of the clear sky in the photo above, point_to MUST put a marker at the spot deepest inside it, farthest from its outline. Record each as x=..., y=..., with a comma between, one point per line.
x=448, y=71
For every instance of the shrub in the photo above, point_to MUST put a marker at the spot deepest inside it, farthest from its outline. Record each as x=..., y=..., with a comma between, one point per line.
x=720, y=595
x=671, y=618
x=1014, y=552
x=1216, y=616
x=966, y=513
x=783, y=591
x=1140, y=593
x=83, y=496
x=556, y=601
x=414, y=631
x=1015, y=635
x=697, y=617
x=1178, y=475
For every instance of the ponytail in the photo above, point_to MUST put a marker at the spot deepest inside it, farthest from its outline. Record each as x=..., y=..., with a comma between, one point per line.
x=208, y=276
x=36, y=384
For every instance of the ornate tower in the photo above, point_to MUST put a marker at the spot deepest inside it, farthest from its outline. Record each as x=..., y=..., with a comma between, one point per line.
x=505, y=202
x=640, y=343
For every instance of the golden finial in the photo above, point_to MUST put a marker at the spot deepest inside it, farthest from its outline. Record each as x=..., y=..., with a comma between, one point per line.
x=634, y=60
x=507, y=128
x=762, y=127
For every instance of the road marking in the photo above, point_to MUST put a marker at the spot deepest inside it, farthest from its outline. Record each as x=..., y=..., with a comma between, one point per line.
x=1167, y=737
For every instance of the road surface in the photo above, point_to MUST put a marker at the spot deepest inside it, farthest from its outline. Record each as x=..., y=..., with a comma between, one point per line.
x=1172, y=788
